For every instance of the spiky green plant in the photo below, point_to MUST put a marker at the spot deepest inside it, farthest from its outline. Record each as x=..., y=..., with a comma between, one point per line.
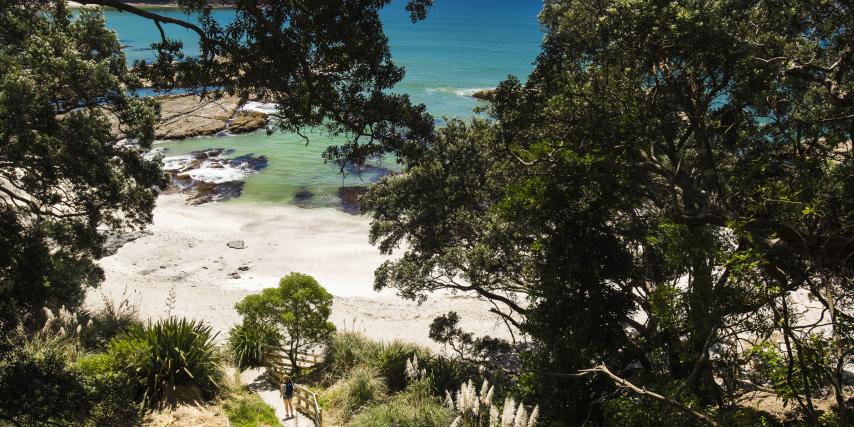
x=247, y=342
x=179, y=361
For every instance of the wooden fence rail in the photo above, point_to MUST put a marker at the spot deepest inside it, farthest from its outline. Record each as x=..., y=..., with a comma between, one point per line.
x=279, y=366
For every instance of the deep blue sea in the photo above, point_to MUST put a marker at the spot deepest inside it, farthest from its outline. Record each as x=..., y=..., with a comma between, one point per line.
x=463, y=46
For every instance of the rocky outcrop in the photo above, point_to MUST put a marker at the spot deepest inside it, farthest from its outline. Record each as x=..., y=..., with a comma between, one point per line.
x=211, y=175
x=484, y=95
x=247, y=121
x=186, y=116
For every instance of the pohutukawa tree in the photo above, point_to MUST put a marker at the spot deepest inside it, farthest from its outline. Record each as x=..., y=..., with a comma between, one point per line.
x=64, y=178
x=648, y=205
x=296, y=312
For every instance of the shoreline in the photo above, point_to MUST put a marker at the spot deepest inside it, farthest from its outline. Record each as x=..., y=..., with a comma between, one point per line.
x=185, y=253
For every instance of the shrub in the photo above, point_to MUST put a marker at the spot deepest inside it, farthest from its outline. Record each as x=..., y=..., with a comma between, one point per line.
x=415, y=406
x=39, y=388
x=250, y=411
x=246, y=342
x=173, y=359
x=113, y=398
x=299, y=307
x=110, y=321
x=362, y=386
x=448, y=374
x=392, y=362
x=346, y=350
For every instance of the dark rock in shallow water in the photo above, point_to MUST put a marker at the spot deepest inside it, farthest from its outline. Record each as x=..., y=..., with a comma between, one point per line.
x=303, y=197
x=247, y=160
x=350, y=198
x=374, y=172
x=206, y=192
x=209, y=175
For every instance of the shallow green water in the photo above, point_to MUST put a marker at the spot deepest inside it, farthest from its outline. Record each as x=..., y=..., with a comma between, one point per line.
x=293, y=167
x=463, y=46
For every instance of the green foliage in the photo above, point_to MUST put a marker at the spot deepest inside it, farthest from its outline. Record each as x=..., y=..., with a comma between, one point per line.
x=413, y=407
x=748, y=417
x=247, y=342
x=298, y=309
x=362, y=386
x=681, y=163
x=171, y=360
x=809, y=367
x=64, y=178
x=628, y=411
x=250, y=411
x=37, y=386
x=109, y=321
x=393, y=359
x=447, y=374
x=113, y=399
x=346, y=350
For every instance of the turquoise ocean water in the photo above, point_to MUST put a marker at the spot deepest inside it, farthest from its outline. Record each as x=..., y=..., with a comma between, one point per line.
x=463, y=46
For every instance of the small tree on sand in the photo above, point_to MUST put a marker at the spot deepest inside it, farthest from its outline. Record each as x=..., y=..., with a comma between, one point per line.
x=298, y=308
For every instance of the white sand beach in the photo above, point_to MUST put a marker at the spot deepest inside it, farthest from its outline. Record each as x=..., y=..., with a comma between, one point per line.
x=186, y=250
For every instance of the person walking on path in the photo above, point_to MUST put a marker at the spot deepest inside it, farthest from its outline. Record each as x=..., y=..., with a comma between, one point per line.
x=287, y=395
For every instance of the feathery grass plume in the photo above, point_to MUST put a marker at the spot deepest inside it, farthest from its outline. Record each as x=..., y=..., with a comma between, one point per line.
x=494, y=416
x=413, y=372
x=508, y=414
x=449, y=400
x=532, y=419
x=484, y=390
x=521, y=419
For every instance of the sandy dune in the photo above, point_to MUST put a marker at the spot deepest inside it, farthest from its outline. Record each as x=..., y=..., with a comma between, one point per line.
x=186, y=251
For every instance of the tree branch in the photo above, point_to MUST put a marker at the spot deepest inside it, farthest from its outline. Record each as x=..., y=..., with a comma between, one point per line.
x=621, y=382
x=123, y=7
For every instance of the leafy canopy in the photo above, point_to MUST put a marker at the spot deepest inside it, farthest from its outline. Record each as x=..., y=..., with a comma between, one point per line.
x=62, y=174
x=298, y=309
x=668, y=178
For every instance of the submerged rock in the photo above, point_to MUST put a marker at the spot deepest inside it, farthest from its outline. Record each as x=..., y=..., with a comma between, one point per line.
x=210, y=175
x=373, y=172
x=303, y=197
x=350, y=198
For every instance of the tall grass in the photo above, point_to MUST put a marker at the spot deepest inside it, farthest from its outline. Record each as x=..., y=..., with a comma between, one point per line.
x=112, y=319
x=415, y=406
x=346, y=350
x=361, y=387
x=392, y=362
